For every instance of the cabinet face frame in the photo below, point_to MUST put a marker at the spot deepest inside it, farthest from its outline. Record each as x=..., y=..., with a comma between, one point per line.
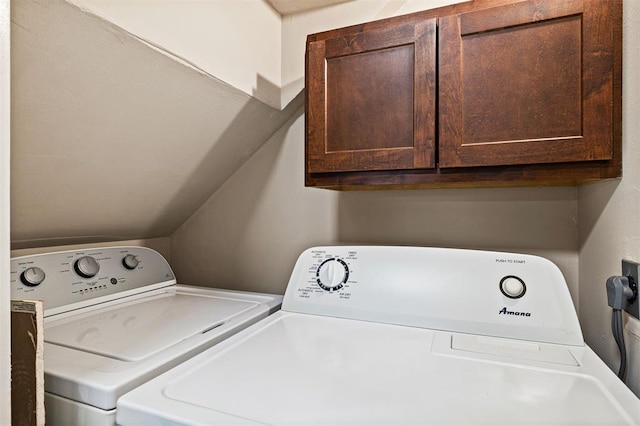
x=417, y=150
x=590, y=135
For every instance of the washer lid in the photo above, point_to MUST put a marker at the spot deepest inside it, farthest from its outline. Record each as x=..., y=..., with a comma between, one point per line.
x=135, y=330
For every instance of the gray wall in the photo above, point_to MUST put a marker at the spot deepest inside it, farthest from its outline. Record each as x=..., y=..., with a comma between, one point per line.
x=610, y=219
x=249, y=233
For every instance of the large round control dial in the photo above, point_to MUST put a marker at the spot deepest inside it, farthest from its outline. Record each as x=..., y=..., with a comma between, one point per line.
x=512, y=287
x=332, y=274
x=130, y=261
x=86, y=267
x=32, y=276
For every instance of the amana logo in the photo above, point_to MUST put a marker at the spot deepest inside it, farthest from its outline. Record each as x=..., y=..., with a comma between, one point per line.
x=506, y=312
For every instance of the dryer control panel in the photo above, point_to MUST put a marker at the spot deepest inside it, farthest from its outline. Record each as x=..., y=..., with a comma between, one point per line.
x=329, y=271
x=498, y=294
x=70, y=279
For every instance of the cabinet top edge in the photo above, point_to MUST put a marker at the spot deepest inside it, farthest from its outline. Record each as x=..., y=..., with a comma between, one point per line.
x=453, y=9
x=448, y=10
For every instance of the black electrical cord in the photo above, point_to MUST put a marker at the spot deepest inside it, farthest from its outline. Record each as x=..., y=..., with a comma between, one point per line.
x=617, y=329
x=621, y=292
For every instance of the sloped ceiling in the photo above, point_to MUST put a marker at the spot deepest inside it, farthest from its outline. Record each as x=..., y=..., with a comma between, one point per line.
x=112, y=139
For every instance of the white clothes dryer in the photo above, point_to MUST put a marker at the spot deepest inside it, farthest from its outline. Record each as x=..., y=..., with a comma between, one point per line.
x=400, y=336
x=114, y=318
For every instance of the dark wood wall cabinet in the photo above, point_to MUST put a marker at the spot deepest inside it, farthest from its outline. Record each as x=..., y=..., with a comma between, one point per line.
x=481, y=93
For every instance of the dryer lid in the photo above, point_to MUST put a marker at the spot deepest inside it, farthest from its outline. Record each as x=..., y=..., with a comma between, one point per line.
x=134, y=330
x=295, y=369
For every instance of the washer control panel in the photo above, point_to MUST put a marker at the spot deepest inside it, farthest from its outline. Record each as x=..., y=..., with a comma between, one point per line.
x=470, y=291
x=79, y=277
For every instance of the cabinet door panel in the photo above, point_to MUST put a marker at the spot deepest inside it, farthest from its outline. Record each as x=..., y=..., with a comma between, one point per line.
x=514, y=87
x=350, y=100
x=371, y=101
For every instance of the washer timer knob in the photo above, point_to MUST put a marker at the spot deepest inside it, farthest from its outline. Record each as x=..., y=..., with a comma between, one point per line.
x=332, y=274
x=512, y=287
x=130, y=261
x=32, y=276
x=86, y=267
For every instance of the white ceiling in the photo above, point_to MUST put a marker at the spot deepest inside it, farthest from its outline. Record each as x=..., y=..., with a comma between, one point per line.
x=289, y=7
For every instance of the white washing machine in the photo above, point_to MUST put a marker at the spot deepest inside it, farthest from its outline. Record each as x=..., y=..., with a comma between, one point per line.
x=400, y=336
x=115, y=318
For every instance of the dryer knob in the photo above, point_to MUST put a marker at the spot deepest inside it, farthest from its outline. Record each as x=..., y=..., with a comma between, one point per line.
x=86, y=267
x=332, y=274
x=130, y=261
x=32, y=276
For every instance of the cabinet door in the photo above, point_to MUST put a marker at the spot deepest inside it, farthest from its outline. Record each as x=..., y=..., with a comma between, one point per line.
x=371, y=100
x=526, y=83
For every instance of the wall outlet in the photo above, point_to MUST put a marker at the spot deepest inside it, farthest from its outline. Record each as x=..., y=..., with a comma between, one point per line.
x=631, y=270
